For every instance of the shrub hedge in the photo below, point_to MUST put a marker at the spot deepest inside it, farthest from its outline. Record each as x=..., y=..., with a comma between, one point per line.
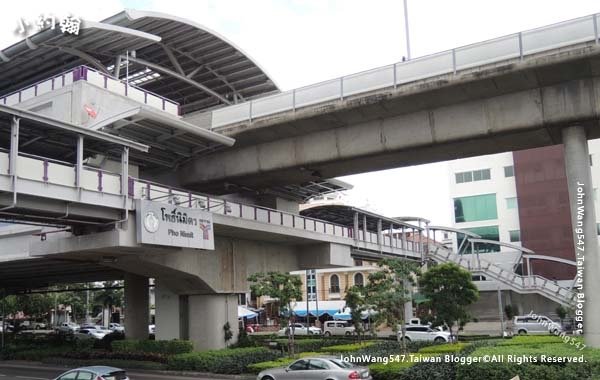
x=532, y=347
x=228, y=361
x=345, y=348
x=164, y=347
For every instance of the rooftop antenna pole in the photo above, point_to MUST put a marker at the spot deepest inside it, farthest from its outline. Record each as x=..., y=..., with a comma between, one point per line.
x=406, y=30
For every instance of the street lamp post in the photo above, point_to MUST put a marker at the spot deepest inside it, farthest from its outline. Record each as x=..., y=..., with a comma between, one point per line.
x=406, y=30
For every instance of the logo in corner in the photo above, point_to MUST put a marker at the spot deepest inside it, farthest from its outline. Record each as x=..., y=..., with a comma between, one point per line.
x=151, y=222
x=205, y=227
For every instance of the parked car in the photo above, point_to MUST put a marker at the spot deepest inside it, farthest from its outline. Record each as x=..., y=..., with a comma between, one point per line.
x=116, y=327
x=67, y=328
x=338, y=328
x=94, y=373
x=425, y=333
x=33, y=325
x=317, y=368
x=299, y=329
x=89, y=333
x=525, y=324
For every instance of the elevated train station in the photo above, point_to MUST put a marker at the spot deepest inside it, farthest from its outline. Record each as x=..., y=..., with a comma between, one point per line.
x=151, y=147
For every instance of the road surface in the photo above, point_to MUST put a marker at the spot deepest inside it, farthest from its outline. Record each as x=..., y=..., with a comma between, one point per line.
x=22, y=372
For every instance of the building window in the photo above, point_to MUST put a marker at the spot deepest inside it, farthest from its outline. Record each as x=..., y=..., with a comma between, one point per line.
x=511, y=203
x=475, y=208
x=359, y=279
x=509, y=171
x=487, y=233
x=515, y=235
x=470, y=176
x=591, y=160
x=334, y=284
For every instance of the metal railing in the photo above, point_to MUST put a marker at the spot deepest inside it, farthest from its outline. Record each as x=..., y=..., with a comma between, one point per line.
x=518, y=45
x=49, y=171
x=94, y=77
x=530, y=283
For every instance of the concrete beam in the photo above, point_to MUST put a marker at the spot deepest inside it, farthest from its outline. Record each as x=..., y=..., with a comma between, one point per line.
x=484, y=110
x=502, y=123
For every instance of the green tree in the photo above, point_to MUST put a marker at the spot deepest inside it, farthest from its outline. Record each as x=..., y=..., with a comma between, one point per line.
x=356, y=301
x=109, y=298
x=285, y=288
x=450, y=290
x=35, y=305
x=387, y=291
x=562, y=313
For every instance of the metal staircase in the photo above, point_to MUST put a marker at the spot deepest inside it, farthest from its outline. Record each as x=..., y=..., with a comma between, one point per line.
x=521, y=284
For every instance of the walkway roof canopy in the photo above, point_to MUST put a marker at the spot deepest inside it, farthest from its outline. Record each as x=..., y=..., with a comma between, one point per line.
x=171, y=56
x=51, y=138
x=344, y=215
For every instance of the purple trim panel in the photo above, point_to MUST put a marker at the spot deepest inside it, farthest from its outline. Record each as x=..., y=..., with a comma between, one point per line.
x=130, y=186
x=76, y=74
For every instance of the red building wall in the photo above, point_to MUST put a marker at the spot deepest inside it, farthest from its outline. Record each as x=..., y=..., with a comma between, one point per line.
x=544, y=211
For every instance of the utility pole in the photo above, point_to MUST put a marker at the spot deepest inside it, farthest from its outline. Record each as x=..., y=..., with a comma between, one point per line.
x=500, y=312
x=406, y=30
x=87, y=304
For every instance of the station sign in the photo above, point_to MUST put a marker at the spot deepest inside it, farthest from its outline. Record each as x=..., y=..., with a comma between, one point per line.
x=173, y=225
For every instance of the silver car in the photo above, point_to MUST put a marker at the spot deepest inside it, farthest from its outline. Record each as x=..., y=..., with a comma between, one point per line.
x=317, y=369
x=535, y=324
x=94, y=373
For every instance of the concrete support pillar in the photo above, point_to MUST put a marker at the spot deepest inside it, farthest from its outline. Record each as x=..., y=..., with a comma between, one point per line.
x=583, y=219
x=137, y=313
x=171, y=313
x=207, y=316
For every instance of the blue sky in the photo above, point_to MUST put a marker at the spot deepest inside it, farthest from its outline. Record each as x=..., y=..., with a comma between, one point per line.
x=303, y=42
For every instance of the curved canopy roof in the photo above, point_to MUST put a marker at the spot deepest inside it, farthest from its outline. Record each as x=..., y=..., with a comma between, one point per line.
x=344, y=215
x=171, y=56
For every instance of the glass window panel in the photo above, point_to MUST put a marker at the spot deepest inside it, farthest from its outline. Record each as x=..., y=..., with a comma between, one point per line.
x=515, y=235
x=475, y=208
x=486, y=174
x=467, y=177
x=511, y=203
x=459, y=178
x=487, y=233
x=477, y=175
x=509, y=171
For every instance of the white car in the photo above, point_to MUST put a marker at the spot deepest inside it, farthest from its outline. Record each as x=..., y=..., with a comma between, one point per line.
x=527, y=324
x=415, y=333
x=338, y=328
x=299, y=329
x=67, y=327
x=89, y=333
x=116, y=327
